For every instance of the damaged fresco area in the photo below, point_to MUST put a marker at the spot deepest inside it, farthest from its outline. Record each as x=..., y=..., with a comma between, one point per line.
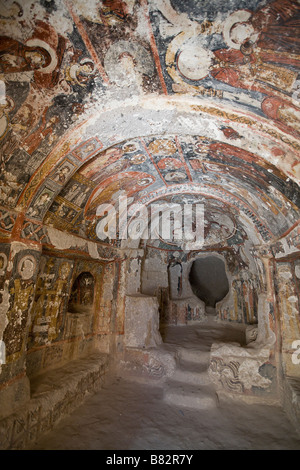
x=249, y=56
x=21, y=291
x=159, y=102
x=244, y=375
x=50, y=78
x=46, y=80
x=287, y=288
x=52, y=292
x=4, y=291
x=136, y=168
x=53, y=70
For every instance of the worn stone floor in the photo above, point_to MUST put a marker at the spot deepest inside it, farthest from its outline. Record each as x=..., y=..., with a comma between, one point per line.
x=133, y=415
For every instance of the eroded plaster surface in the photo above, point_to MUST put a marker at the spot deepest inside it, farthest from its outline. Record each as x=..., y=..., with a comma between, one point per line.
x=129, y=104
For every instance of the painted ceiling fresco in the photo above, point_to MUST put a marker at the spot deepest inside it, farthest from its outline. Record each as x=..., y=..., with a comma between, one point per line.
x=160, y=100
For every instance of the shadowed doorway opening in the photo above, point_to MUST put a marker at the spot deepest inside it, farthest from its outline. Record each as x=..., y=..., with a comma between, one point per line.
x=209, y=281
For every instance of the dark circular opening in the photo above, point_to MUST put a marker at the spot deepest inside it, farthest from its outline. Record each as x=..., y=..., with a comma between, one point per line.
x=208, y=280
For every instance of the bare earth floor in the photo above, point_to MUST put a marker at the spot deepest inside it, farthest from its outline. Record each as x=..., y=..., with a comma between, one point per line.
x=133, y=415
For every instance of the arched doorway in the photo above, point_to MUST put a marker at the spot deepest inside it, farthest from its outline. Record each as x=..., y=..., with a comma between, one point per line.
x=209, y=281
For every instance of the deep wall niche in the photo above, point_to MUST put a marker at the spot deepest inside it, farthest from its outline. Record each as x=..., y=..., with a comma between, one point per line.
x=82, y=293
x=208, y=280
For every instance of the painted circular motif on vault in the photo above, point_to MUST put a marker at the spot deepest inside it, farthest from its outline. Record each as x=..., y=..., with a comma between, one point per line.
x=137, y=159
x=26, y=267
x=130, y=147
x=237, y=29
x=218, y=227
x=175, y=176
x=193, y=62
x=145, y=181
x=169, y=163
x=162, y=147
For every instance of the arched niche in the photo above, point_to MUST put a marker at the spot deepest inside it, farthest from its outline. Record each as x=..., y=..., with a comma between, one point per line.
x=209, y=281
x=82, y=294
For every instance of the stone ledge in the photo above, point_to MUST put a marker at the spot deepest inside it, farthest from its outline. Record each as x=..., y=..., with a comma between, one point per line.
x=242, y=370
x=54, y=395
x=155, y=364
x=225, y=397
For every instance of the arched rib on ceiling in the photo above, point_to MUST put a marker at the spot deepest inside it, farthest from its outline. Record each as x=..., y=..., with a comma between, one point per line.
x=110, y=73
x=163, y=116
x=152, y=168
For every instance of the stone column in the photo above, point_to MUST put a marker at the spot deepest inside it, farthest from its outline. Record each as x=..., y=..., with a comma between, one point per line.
x=142, y=322
x=267, y=327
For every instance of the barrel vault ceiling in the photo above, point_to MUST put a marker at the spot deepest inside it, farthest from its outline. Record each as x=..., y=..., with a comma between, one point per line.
x=157, y=100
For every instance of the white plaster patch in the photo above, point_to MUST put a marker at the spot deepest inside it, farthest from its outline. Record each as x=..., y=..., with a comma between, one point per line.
x=288, y=248
x=65, y=241
x=93, y=252
x=250, y=376
x=89, y=10
x=181, y=115
x=194, y=62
